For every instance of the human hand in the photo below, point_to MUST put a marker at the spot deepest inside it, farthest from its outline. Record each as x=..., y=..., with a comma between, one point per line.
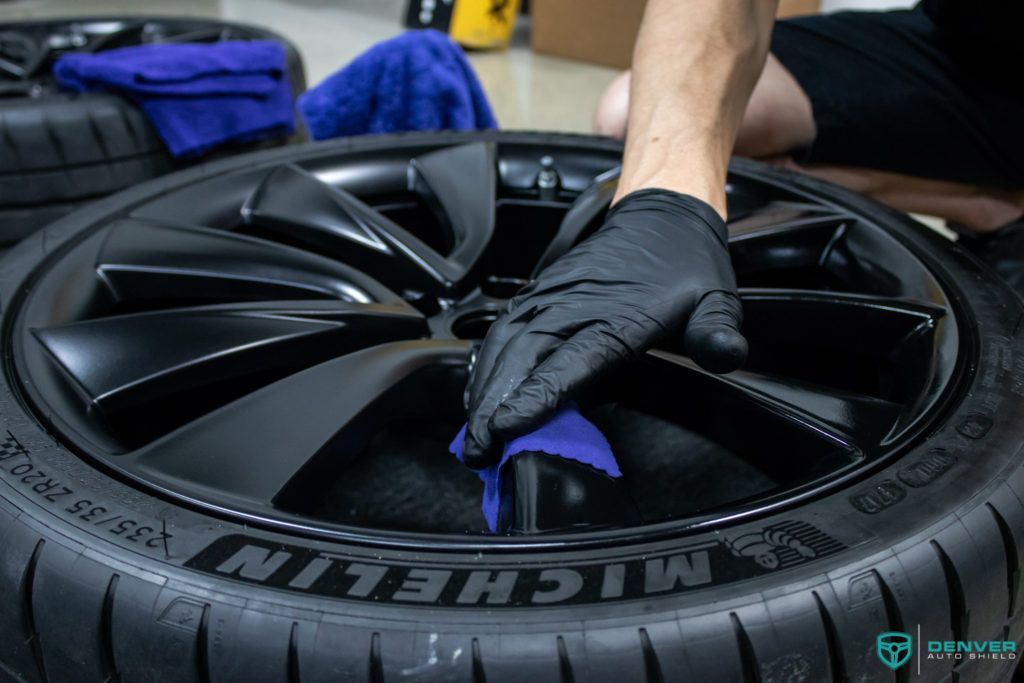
x=659, y=264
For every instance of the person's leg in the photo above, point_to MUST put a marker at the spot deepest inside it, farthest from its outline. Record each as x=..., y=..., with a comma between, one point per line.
x=906, y=119
x=778, y=117
x=981, y=209
x=613, y=108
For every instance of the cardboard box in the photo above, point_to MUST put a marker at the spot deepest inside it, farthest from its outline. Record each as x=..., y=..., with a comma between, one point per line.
x=604, y=31
x=478, y=24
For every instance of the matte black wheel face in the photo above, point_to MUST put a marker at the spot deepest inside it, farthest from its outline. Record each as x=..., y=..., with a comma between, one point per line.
x=27, y=49
x=288, y=342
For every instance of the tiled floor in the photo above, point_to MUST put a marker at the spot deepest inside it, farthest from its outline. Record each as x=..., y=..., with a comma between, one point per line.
x=527, y=90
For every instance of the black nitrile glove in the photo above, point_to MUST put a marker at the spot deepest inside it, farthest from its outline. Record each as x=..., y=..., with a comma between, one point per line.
x=660, y=263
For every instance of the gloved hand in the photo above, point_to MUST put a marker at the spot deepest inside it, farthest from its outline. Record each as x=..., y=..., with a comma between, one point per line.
x=659, y=263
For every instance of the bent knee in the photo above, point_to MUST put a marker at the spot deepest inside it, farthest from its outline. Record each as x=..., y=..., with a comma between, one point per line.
x=779, y=118
x=612, y=113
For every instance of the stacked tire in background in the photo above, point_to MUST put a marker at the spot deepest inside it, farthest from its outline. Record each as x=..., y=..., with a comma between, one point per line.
x=59, y=151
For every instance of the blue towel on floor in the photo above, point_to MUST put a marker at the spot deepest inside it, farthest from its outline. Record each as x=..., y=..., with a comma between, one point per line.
x=568, y=435
x=197, y=96
x=417, y=81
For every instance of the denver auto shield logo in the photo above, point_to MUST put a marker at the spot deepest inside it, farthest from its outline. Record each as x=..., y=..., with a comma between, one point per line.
x=894, y=648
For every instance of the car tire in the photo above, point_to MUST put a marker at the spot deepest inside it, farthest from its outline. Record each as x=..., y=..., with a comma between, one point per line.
x=104, y=581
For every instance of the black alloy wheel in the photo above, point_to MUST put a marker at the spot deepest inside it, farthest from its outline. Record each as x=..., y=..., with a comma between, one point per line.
x=269, y=355
x=289, y=313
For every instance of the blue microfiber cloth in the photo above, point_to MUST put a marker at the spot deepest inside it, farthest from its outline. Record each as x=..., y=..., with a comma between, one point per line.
x=197, y=96
x=419, y=80
x=568, y=435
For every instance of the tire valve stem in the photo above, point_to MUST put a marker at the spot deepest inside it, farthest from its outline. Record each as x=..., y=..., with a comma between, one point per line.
x=548, y=182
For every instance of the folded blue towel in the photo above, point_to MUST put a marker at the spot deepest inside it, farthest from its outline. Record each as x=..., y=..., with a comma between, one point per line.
x=197, y=96
x=568, y=435
x=417, y=81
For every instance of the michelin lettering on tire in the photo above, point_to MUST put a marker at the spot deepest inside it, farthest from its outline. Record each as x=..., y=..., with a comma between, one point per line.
x=785, y=545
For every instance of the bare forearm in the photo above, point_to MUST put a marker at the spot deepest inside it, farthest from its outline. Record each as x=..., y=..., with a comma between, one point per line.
x=694, y=67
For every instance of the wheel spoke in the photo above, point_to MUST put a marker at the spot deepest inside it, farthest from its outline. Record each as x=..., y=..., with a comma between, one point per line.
x=867, y=259
x=26, y=55
x=148, y=263
x=779, y=235
x=784, y=244
x=146, y=373
x=581, y=217
x=827, y=360
x=214, y=202
x=780, y=217
x=744, y=198
x=856, y=420
x=900, y=350
x=283, y=442
x=460, y=185
x=202, y=35
x=127, y=33
x=294, y=206
x=544, y=493
x=835, y=321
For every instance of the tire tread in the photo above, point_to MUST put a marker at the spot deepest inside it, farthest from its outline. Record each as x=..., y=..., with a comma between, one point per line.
x=107, y=630
x=1012, y=559
x=750, y=670
x=28, y=608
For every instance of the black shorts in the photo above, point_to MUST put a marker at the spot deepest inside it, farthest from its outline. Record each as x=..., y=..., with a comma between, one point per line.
x=890, y=91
